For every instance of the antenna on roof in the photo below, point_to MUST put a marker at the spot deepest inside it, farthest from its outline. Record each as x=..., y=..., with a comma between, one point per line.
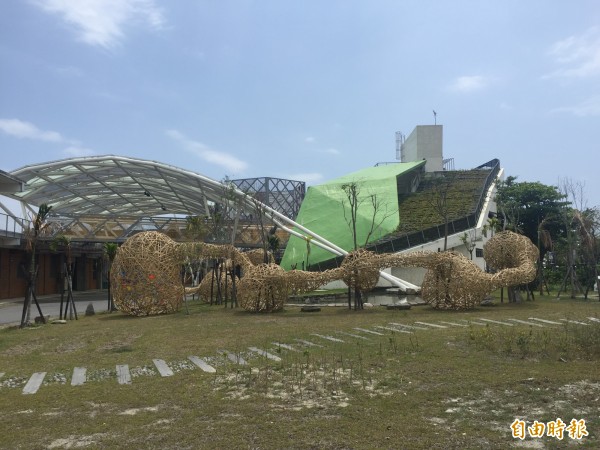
x=434, y=117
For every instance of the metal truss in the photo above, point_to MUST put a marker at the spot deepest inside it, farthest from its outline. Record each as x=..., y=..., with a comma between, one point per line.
x=111, y=197
x=284, y=196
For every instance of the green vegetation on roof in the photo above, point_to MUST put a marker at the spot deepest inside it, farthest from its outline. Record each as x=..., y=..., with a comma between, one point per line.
x=417, y=211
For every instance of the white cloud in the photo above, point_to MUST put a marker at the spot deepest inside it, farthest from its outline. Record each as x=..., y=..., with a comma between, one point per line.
x=308, y=178
x=26, y=130
x=578, y=55
x=310, y=140
x=589, y=107
x=332, y=151
x=77, y=151
x=469, y=83
x=229, y=162
x=103, y=22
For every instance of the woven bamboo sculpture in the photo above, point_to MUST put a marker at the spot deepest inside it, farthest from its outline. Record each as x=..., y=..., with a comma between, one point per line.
x=145, y=275
x=263, y=288
x=359, y=272
x=454, y=282
x=513, y=257
x=210, y=284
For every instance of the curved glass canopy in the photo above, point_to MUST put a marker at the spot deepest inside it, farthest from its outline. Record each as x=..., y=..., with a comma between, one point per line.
x=108, y=197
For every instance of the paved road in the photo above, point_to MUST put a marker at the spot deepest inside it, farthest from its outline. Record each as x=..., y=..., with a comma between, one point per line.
x=12, y=309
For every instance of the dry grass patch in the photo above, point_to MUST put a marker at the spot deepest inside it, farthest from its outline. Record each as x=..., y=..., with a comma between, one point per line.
x=440, y=388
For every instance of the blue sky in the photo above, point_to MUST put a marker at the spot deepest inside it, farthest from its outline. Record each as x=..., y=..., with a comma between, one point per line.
x=307, y=90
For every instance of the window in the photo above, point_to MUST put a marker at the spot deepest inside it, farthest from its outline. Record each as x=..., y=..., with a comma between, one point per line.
x=479, y=252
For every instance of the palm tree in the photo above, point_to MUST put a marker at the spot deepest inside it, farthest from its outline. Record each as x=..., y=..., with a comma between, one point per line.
x=110, y=252
x=195, y=228
x=32, y=235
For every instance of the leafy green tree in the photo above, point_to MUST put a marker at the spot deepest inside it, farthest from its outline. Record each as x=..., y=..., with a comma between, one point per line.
x=523, y=206
x=532, y=209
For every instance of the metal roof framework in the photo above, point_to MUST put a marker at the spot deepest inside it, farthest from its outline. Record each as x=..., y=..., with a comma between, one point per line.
x=283, y=195
x=8, y=183
x=95, y=191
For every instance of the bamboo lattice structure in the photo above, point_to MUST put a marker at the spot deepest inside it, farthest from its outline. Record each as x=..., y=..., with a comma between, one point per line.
x=147, y=279
x=145, y=275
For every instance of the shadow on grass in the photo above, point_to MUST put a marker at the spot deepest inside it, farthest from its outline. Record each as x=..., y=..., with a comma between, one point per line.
x=117, y=316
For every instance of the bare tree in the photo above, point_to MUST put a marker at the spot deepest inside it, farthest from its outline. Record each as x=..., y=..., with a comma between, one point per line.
x=439, y=199
x=588, y=222
x=353, y=202
x=574, y=192
x=263, y=233
x=64, y=241
x=468, y=239
x=33, y=233
x=110, y=253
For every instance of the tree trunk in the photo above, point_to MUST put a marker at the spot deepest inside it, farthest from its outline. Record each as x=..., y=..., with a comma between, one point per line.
x=446, y=234
x=349, y=297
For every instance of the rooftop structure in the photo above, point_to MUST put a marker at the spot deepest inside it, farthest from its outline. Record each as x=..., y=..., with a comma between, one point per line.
x=424, y=143
x=325, y=207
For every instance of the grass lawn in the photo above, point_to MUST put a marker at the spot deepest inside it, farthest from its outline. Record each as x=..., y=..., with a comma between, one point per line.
x=459, y=387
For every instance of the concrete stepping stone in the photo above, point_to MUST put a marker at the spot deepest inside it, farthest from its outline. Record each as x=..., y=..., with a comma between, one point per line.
x=454, y=324
x=410, y=327
x=474, y=322
x=264, y=353
x=524, y=322
x=364, y=330
x=163, y=368
x=431, y=325
x=593, y=319
x=236, y=359
x=357, y=336
x=123, y=375
x=202, y=364
x=497, y=322
x=574, y=321
x=34, y=383
x=329, y=338
x=397, y=330
x=285, y=346
x=308, y=343
x=78, y=376
x=545, y=321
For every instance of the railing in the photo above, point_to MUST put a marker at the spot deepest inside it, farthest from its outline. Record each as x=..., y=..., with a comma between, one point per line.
x=405, y=241
x=448, y=164
x=11, y=227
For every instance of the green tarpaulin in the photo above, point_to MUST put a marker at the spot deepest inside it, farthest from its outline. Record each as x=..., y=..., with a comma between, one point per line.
x=322, y=212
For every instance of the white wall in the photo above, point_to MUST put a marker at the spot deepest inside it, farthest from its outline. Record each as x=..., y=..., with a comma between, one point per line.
x=425, y=142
